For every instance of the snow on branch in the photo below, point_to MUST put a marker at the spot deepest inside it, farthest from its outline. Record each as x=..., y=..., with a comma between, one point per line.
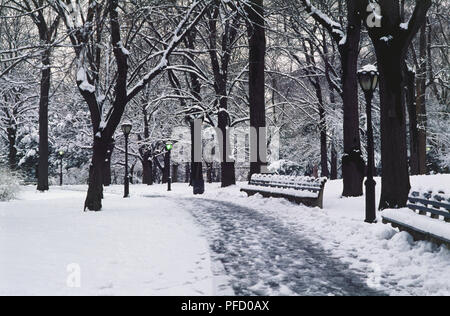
x=83, y=82
x=418, y=18
x=334, y=28
x=178, y=35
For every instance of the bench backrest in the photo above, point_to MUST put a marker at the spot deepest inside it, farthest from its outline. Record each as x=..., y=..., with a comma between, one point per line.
x=288, y=182
x=435, y=205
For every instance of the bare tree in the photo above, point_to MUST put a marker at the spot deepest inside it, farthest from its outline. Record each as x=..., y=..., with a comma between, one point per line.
x=86, y=28
x=47, y=26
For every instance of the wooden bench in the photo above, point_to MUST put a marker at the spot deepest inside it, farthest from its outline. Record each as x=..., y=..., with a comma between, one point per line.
x=427, y=217
x=301, y=190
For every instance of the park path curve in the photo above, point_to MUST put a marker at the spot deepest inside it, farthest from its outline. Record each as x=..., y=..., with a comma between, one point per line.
x=262, y=257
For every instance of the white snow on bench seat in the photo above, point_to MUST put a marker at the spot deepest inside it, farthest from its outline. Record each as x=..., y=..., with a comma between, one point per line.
x=291, y=192
x=424, y=224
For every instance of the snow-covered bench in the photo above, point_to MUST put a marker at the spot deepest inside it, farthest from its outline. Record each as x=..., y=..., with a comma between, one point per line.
x=426, y=218
x=304, y=190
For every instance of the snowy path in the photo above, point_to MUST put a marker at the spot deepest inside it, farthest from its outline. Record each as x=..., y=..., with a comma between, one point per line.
x=262, y=257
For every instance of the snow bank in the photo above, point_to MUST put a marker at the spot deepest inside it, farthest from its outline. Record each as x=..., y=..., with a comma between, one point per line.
x=424, y=224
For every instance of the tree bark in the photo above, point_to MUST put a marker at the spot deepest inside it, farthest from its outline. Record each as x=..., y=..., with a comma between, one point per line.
x=43, y=122
x=12, y=154
x=147, y=169
x=334, y=167
x=197, y=180
x=257, y=53
x=395, y=176
x=95, y=190
x=107, y=164
x=353, y=166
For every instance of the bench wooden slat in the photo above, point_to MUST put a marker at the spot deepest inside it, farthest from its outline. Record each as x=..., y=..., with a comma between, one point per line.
x=429, y=210
x=430, y=202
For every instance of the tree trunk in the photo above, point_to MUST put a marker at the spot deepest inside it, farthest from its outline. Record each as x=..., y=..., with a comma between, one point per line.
x=395, y=177
x=197, y=180
x=155, y=172
x=257, y=53
x=412, y=113
x=107, y=173
x=43, y=122
x=353, y=165
x=147, y=169
x=12, y=155
x=107, y=164
x=95, y=191
x=334, y=167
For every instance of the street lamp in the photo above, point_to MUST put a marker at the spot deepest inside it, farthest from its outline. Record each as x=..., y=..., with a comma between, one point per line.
x=126, y=129
x=368, y=80
x=61, y=155
x=169, y=147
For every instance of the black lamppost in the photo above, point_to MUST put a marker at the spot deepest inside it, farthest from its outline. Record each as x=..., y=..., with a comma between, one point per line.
x=368, y=79
x=61, y=155
x=169, y=147
x=126, y=129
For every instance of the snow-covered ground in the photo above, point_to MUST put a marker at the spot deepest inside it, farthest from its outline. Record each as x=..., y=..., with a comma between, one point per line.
x=172, y=243
x=132, y=248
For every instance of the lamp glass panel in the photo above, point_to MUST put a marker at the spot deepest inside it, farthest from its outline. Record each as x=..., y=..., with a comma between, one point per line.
x=375, y=82
x=366, y=82
x=126, y=129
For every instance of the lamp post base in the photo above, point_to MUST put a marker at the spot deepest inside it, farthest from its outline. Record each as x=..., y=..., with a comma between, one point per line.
x=371, y=215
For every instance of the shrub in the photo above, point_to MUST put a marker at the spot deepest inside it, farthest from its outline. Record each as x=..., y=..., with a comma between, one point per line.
x=9, y=184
